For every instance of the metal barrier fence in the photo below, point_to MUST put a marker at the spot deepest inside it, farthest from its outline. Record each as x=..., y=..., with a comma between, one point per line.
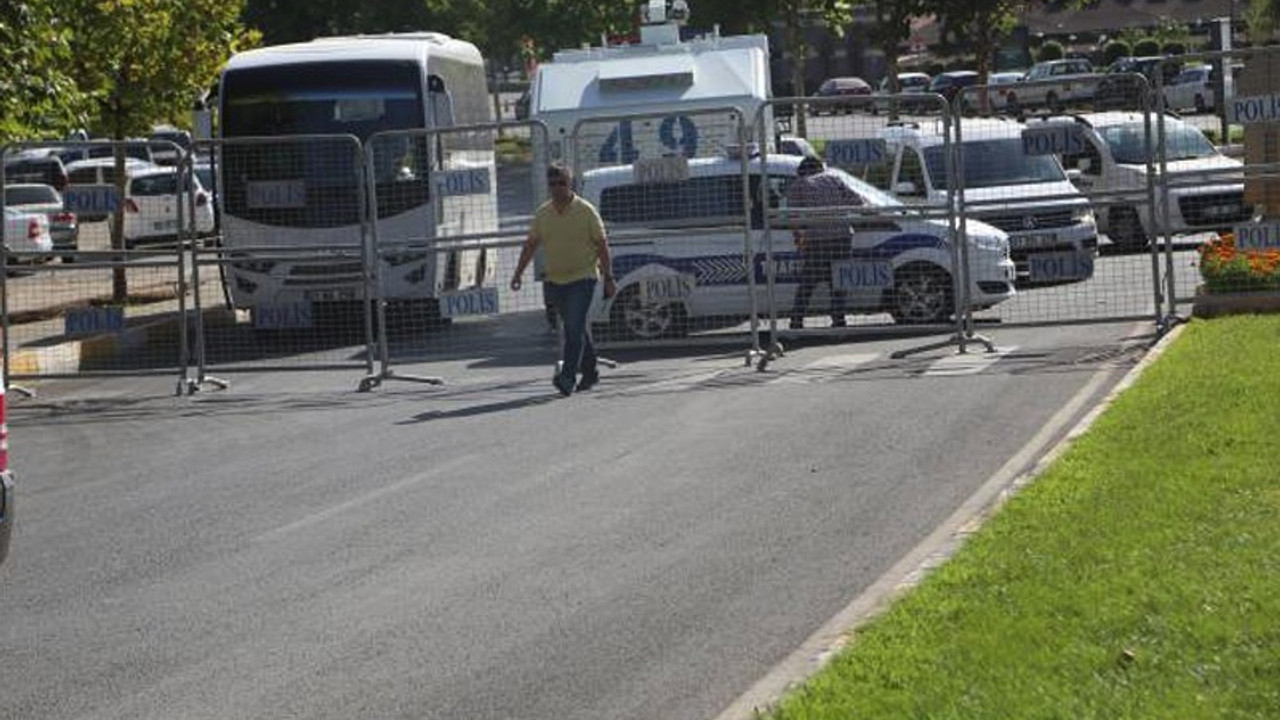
x=836, y=243
x=440, y=281
x=321, y=252
x=290, y=258
x=94, y=278
x=675, y=196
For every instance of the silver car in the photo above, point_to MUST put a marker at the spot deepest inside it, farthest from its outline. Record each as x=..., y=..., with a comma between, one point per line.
x=64, y=228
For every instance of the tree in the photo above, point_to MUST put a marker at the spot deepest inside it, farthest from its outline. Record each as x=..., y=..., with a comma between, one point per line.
x=1146, y=47
x=38, y=96
x=892, y=29
x=981, y=24
x=1114, y=50
x=143, y=61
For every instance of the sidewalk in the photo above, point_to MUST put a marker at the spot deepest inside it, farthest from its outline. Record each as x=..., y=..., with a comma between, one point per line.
x=39, y=303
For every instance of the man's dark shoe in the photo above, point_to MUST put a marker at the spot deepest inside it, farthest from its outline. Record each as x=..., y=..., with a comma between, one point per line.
x=588, y=380
x=564, y=387
x=797, y=324
x=838, y=322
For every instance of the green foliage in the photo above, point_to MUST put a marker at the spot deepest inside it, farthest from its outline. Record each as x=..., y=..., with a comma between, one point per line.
x=38, y=97
x=1114, y=50
x=1051, y=50
x=1146, y=46
x=1174, y=47
x=1137, y=578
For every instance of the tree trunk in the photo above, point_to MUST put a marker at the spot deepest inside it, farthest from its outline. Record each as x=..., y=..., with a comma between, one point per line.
x=798, y=46
x=119, y=283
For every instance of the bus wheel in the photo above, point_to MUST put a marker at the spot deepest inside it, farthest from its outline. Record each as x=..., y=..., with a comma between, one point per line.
x=922, y=295
x=635, y=319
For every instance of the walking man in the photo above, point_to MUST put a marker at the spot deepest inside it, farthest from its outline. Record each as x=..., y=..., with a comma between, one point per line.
x=571, y=235
x=820, y=241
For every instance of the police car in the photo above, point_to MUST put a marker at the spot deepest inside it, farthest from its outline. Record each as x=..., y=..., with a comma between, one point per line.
x=677, y=231
x=1206, y=188
x=1053, y=233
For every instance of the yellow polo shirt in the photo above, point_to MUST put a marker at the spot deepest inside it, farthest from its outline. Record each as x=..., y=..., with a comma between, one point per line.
x=569, y=240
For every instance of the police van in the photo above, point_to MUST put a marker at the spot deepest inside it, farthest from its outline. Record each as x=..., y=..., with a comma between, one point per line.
x=679, y=81
x=678, y=229
x=1053, y=234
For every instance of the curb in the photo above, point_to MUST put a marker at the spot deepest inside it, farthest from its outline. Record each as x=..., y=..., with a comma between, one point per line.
x=72, y=357
x=817, y=650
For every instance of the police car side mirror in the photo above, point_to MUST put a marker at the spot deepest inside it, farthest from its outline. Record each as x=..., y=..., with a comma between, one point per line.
x=1076, y=174
x=906, y=188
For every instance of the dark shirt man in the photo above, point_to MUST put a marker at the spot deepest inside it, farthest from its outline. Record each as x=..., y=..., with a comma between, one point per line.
x=821, y=241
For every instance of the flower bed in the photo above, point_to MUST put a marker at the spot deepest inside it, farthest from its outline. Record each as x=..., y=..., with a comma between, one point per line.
x=1236, y=281
x=1226, y=269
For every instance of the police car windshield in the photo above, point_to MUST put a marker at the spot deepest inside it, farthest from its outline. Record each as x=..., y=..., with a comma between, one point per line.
x=992, y=163
x=871, y=195
x=1182, y=142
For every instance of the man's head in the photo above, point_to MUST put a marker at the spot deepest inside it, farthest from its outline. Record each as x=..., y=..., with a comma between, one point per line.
x=809, y=166
x=559, y=181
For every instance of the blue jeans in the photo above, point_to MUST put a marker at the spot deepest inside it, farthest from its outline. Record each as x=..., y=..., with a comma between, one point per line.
x=572, y=301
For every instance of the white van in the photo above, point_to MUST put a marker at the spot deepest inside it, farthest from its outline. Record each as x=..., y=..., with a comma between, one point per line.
x=1209, y=195
x=1053, y=235
x=687, y=265
x=662, y=74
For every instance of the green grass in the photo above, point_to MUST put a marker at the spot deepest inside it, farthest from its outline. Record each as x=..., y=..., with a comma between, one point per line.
x=1139, y=577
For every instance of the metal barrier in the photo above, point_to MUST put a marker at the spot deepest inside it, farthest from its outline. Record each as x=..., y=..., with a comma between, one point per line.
x=440, y=285
x=291, y=258
x=677, y=208
x=1036, y=161
x=887, y=261
x=95, y=282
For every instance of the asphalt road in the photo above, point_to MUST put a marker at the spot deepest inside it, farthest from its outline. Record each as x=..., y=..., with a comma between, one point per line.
x=486, y=549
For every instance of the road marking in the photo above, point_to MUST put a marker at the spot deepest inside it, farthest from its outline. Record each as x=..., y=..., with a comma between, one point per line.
x=825, y=368
x=970, y=363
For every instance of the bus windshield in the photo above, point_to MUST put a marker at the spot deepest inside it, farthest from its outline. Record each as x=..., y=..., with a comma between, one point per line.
x=348, y=98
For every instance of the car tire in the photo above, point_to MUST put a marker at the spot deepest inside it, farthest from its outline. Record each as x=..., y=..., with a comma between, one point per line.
x=1125, y=229
x=633, y=319
x=1054, y=103
x=922, y=295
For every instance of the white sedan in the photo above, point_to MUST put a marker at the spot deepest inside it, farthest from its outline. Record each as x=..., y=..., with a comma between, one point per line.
x=27, y=232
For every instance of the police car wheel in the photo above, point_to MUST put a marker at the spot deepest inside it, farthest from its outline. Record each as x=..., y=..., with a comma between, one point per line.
x=922, y=295
x=1126, y=229
x=635, y=319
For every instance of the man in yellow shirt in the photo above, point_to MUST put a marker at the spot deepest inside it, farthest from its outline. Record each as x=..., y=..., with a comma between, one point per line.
x=574, y=246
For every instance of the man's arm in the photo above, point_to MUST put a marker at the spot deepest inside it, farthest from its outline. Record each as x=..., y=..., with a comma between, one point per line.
x=526, y=256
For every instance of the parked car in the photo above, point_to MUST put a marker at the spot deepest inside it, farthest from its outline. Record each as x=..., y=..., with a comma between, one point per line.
x=909, y=83
x=7, y=504
x=1191, y=89
x=105, y=149
x=1121, y=89
x=1054, y=84
x=1003, y=86
x=151, y=206
x=27, y=232
x=794, y=145
x=901, y=264
x=36, y=167
x=949, y=84
x=1053, y=235
x=168, y=144
x=99, y=171
x=1114, y=160
x=839, y=87
x=44, y=199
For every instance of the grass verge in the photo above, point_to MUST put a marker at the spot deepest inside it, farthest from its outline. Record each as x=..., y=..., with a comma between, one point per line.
x=1139, y=577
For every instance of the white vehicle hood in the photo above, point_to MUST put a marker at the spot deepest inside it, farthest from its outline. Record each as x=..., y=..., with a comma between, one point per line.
x=994, y=199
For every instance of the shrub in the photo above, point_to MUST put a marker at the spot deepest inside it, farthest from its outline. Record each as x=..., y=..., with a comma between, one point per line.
x=1174, y=47
x=1115, y=50
x=1226, y=269
x=1146, y=47
x=1051, y=50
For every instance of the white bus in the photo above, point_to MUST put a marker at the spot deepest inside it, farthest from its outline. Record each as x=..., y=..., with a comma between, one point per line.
x=306, y=192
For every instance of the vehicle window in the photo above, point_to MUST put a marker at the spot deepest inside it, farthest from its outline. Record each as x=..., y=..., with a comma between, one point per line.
x=1182, y=142
x=30, y=195
x=912, y=171
x=1090, y=153
x=704, y=197
x=154, y=185
x=83, y=176
x=992, y=163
